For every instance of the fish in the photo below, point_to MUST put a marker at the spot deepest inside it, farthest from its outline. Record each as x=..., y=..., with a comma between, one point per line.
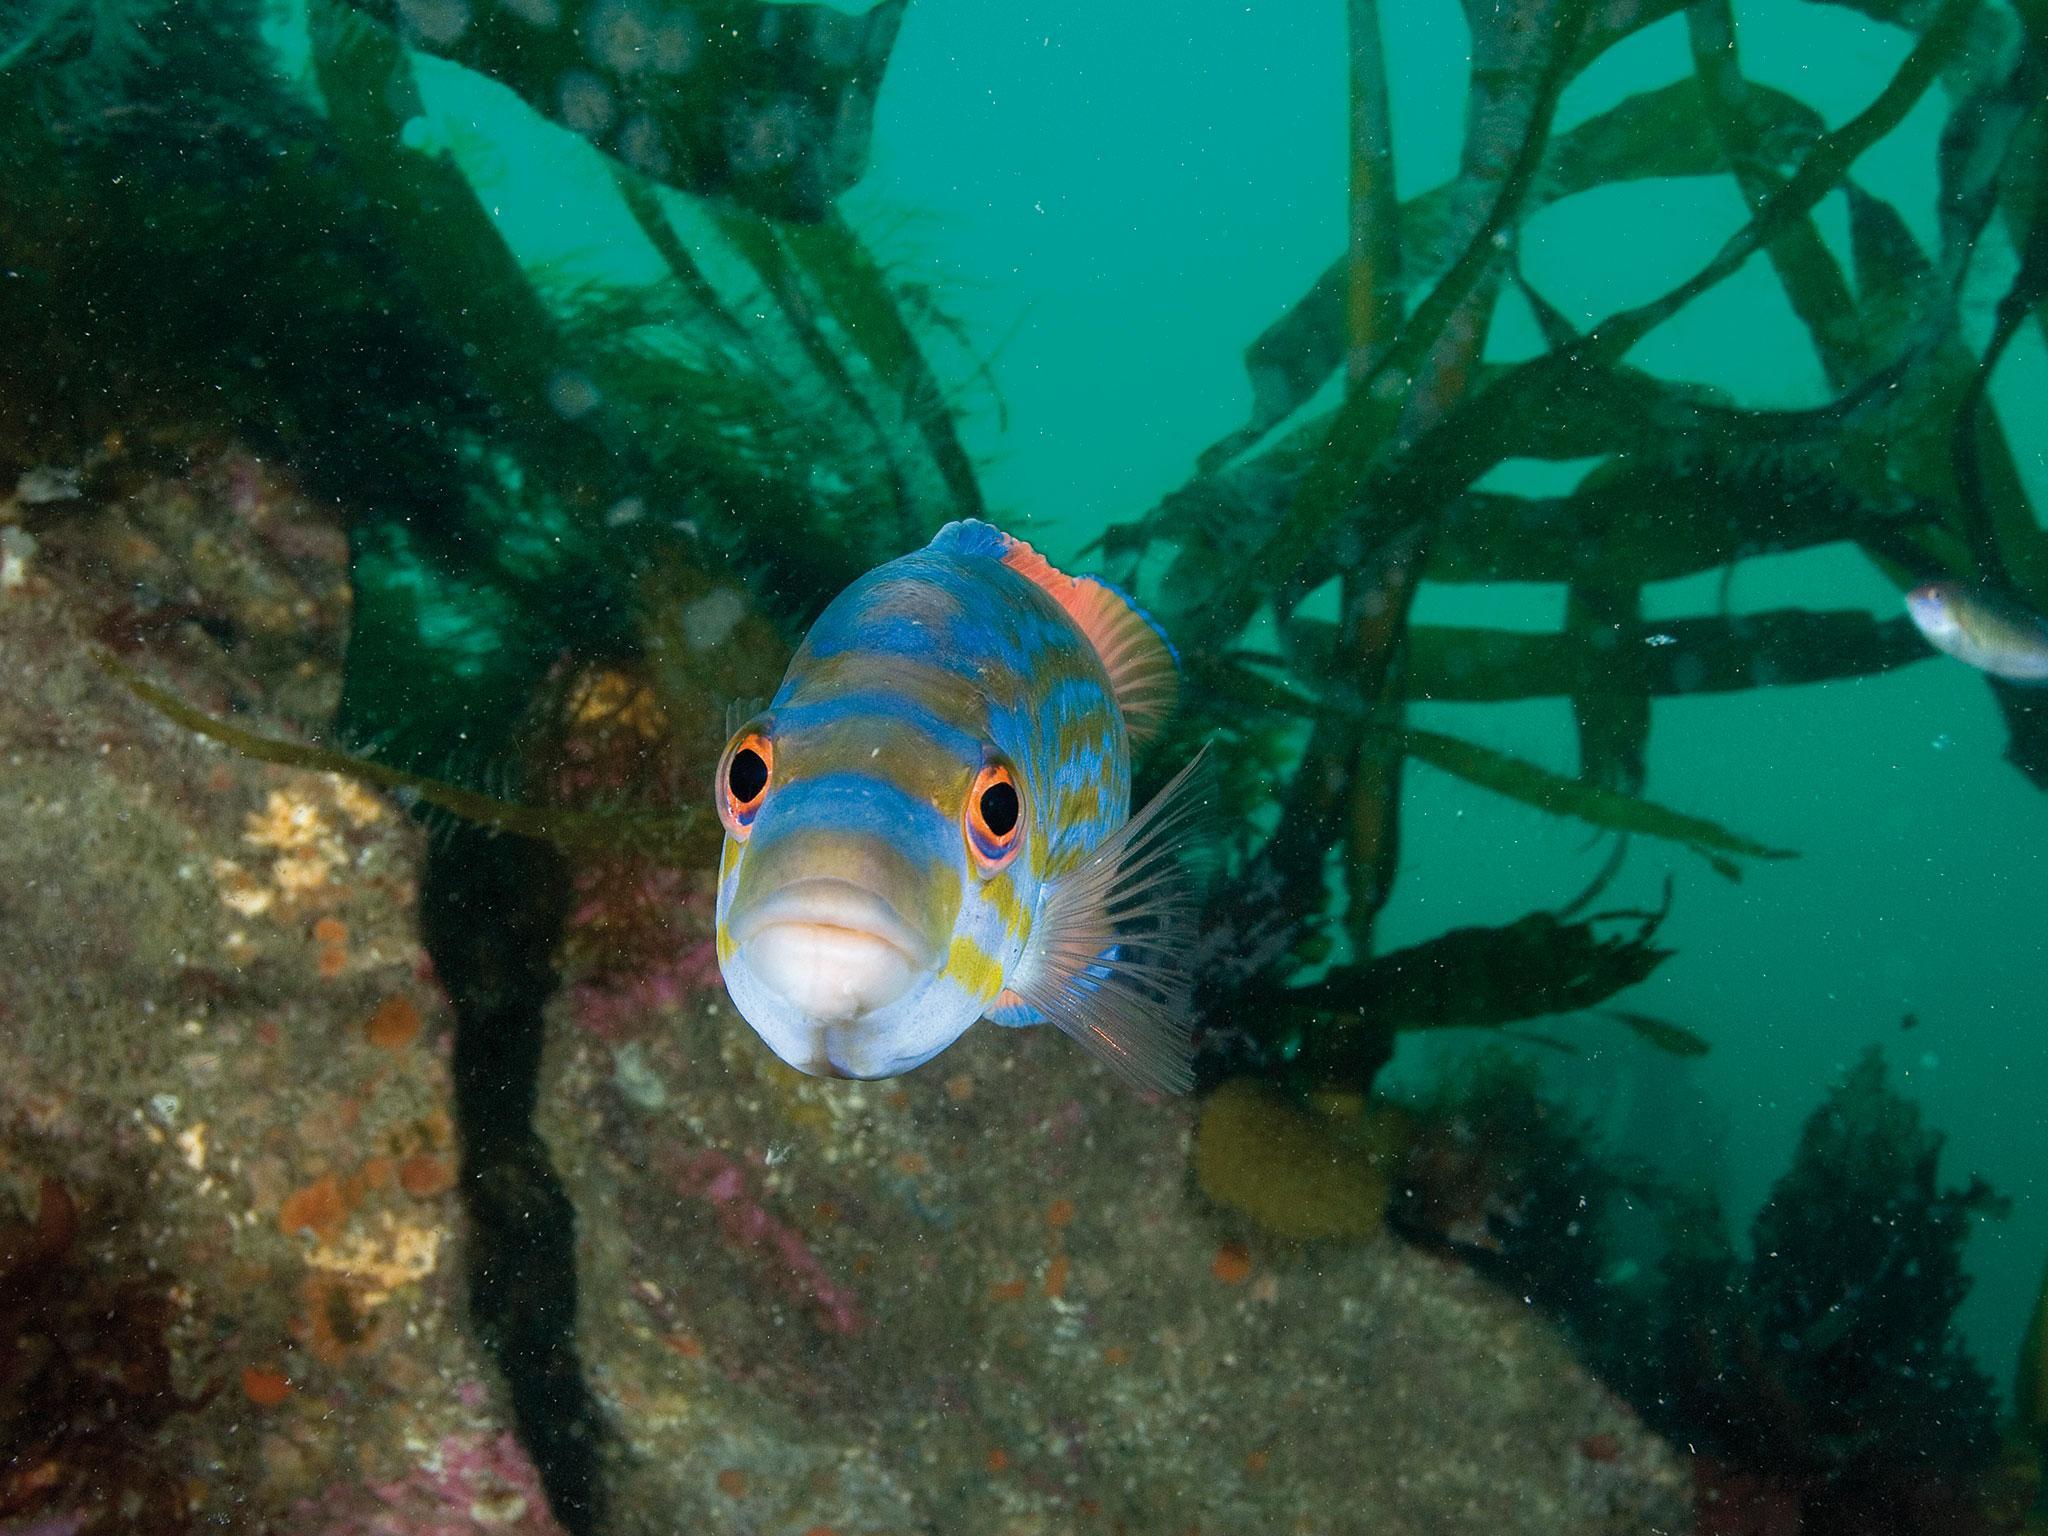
x=1986, y=629
x=929, y=823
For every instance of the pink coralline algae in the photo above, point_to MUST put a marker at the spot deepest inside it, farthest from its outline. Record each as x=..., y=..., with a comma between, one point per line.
x=640, y=939
x=469, y=1483
x=613, y=1009
x=749, y=1228
x=52, y=1525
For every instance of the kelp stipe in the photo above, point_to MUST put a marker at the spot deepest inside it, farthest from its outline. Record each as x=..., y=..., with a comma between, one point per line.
x=679, y=836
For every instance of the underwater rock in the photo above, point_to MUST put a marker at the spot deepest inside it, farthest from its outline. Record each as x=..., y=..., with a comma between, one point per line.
x=210, y=968
x=989, y=1299
x=983, y=1299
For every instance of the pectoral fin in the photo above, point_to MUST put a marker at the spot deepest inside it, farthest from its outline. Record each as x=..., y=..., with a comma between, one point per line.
x=1111, y=955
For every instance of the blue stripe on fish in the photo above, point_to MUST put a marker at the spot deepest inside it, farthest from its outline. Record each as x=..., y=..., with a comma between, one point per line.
x=850, y=629
x=878, y=703
x=860, y=803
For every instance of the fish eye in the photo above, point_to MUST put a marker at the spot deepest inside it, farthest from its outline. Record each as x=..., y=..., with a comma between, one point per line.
x=995, y=817
x=743, y=780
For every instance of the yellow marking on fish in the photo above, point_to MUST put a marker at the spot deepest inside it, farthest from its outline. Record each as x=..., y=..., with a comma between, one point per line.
x=1001, y=893
x=952, y=696
x=913, y=597
x=899, y=758
x=976, y=971
x=1082, y=803
x=940, y=908
x=726, y=948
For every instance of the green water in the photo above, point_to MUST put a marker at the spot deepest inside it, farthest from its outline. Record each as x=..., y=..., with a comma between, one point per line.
x=1117, y=199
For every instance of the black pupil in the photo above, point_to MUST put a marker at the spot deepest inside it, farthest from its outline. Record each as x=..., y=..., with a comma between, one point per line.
x=999, y=808
x=748, y=774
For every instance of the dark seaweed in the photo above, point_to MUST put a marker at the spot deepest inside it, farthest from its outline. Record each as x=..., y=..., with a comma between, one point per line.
x=1830, y=1360
x=1820, y=1375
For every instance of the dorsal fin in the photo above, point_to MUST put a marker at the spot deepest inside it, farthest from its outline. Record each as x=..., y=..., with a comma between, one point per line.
x=1143, y=671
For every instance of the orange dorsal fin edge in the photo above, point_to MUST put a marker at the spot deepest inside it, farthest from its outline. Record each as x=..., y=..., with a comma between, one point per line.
x=1134, y=652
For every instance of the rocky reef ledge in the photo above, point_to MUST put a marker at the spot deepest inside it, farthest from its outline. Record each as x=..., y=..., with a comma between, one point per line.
x=986, y=1298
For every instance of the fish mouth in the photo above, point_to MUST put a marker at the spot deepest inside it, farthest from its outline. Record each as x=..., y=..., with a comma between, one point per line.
x=1929, y=608
x=833, y=950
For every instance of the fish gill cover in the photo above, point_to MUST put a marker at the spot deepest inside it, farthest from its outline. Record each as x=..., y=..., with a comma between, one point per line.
x=548, y=483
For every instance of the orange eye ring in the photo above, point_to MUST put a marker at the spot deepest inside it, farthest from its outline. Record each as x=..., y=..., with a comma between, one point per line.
x=994, y=819
x=743, y=777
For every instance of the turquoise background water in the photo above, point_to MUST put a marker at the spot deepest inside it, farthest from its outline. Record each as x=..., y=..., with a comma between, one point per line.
x=1114, y=199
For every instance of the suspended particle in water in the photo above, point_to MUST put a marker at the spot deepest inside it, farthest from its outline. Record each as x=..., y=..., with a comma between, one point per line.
x=1660, y=639
x=585, y=103
x=1943, y=742
x=572, y=394
x=47, y=483
x=435, y=22
x=17, y=547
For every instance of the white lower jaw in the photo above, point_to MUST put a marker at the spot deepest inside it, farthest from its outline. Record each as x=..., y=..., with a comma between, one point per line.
x=829, y=974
